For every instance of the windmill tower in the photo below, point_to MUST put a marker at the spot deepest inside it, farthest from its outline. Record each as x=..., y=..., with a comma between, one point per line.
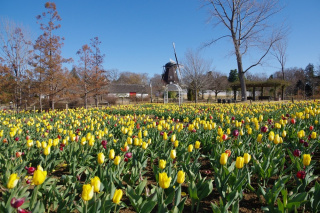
x=171, y=79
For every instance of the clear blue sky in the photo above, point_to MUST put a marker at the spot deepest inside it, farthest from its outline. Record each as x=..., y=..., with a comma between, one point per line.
x=137, y=35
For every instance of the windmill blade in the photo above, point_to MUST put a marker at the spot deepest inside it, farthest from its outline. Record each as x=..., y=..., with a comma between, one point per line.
x=175, y=54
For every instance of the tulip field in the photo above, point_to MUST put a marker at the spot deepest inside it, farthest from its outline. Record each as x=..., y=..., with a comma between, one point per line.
x=261, y=157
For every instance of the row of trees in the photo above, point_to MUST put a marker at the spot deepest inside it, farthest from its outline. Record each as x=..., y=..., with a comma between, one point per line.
x=34, y=69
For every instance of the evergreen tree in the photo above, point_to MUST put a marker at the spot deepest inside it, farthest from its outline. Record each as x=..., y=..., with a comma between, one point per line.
x=233, y=76
x=310, y=79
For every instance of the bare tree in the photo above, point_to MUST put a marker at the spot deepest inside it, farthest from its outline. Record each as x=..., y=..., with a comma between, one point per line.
x=113, y=75
x=157, y=84
x=48, y=47
x=85, y=71
x=132, y=78
x=194, y=72
x=247, y=24
x=15, y=52
x=280, y=53
x=217, y=82
x=99, y=77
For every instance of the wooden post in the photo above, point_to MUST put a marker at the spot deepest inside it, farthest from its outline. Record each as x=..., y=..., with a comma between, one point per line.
x=234, y=93
x=254, y=94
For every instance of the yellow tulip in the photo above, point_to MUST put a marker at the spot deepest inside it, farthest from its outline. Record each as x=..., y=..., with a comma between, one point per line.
x=46, y=150
x=101, y=158
x=95, y=182
x=284, y=133
x=13, y=181
x=144, y=145
x=111, y=154
x=190, y=148
x=176, y=143
x=223, y=158
x=83, y=141
x=136, y=141
x=313, y=135
x=39, y=177
x=164, y=180
x=91, y=141
x=259, y=139
x=239, y=162
x=276, y=139
x=162, y=164
x=117, y=160
x=247, y=158
x=117, y=196
x=87, y=192
x=173, y=138
x=181, y=177
x=29, y=143
x=306, y=159
x=197, y=145
x=165, y=136
x=173, y=154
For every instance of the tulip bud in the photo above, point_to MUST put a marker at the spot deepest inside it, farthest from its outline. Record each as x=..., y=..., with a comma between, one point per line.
x=223, y=158
x=181, y=177
x=197, y=145
x=173, y=154
x=247, y=158
x=13, y=181
x=95, y=182
x=306, y=159
x=239, y=162
x=162, y=164
x=117, y=196
x=16, y=203
x=297, y=153
x=101, y=158
x=117, y=160
x=87, y=192
x=111, y=154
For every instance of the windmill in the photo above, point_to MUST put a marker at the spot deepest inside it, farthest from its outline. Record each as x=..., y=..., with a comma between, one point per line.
x=170, y=74
x=171, y=78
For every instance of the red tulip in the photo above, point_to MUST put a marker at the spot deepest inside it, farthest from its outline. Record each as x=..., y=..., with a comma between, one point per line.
x=128, y=155
x=235, y=133
x=16, y=203
x=31, y=170
x=297, y=153
x=301, y=174
x=311, y=128
x=224, y=137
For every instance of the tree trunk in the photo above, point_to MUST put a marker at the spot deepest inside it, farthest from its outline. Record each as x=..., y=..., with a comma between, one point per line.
x=196, y=98
x=243, y=86
x=40, y=103
x=86, y=100
x=282, y=93
x=240, y=68
x=96, y=100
